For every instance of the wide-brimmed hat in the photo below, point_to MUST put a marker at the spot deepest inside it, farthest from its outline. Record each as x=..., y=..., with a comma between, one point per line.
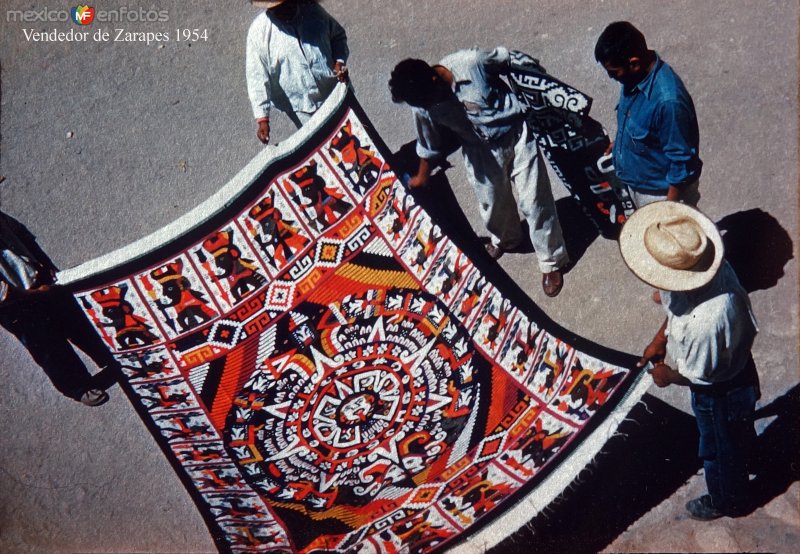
x=267, y=4
x=671, y=246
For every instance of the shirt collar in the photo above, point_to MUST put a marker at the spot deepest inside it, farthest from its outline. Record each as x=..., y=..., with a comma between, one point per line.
x=683, y=302
x=645, y=86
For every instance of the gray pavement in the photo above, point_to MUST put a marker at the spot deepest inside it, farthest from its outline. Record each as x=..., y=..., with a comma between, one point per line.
x=103, y=142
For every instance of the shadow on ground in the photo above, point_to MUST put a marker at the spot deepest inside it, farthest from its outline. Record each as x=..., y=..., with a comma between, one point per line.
x=640, y=468
x=439, y=201
x=654, y=452
x=107, y=378
x=776, y=460
x=757, y=247
x=579, y=231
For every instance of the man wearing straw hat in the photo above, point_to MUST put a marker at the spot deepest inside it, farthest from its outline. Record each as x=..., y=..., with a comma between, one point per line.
x=296, y=53
x=706, y=337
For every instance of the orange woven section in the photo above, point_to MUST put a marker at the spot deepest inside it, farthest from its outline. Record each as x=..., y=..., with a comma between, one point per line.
x=228, y=386
x=342, y=280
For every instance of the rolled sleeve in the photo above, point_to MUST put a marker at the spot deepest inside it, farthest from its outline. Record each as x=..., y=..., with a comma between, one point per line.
x=495, y=61
x=675, y=127
x=429, y=140
x=256, y=70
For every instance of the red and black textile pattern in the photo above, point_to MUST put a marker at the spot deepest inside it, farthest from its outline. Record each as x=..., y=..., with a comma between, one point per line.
x=329, y=372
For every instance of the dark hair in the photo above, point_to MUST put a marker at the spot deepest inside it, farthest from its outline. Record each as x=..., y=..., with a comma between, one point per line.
x=413, y=82
x=618, y=43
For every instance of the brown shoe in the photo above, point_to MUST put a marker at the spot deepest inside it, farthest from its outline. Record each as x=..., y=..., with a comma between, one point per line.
x=552, y=283
x=494, y=251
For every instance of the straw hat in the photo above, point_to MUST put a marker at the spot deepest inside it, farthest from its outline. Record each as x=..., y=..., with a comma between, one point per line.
x=671, y=246
x=267, y=4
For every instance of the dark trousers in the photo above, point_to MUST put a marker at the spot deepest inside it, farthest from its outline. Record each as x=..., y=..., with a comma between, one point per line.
x=725, y=419
x=48, y=324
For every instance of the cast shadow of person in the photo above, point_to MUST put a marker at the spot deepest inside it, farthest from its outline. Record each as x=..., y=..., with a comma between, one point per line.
x=577, y=228
x=439, y=201
x=756, y=246
x=579, y=231
x=776, y=458
x=616, y=478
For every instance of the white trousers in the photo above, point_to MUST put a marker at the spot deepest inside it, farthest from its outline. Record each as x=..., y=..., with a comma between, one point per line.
x=690, y=195
x=494, y=172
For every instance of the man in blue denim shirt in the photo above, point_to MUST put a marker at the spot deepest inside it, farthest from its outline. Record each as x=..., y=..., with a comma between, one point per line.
x=657, y=144
x=706, y=339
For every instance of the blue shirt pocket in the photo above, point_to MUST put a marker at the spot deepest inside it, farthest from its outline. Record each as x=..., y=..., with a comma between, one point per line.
x=638, y=136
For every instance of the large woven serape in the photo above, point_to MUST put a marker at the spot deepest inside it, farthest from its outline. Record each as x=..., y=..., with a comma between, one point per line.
x=328, y=372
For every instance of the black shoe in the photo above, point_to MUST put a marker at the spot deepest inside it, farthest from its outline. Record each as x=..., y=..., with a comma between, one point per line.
x=94, y=397
x=702, y=509
x=495, y=252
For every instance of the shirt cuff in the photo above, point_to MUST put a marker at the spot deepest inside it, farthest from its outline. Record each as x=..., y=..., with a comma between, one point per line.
x=261, y=111
x=426, y=153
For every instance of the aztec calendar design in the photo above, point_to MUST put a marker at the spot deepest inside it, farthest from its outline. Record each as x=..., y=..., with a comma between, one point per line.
x=384, y=399
x=328, y=372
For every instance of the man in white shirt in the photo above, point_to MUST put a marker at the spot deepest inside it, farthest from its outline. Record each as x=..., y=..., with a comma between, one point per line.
x=296, y=53
x=465, y=97
x=707, y=337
